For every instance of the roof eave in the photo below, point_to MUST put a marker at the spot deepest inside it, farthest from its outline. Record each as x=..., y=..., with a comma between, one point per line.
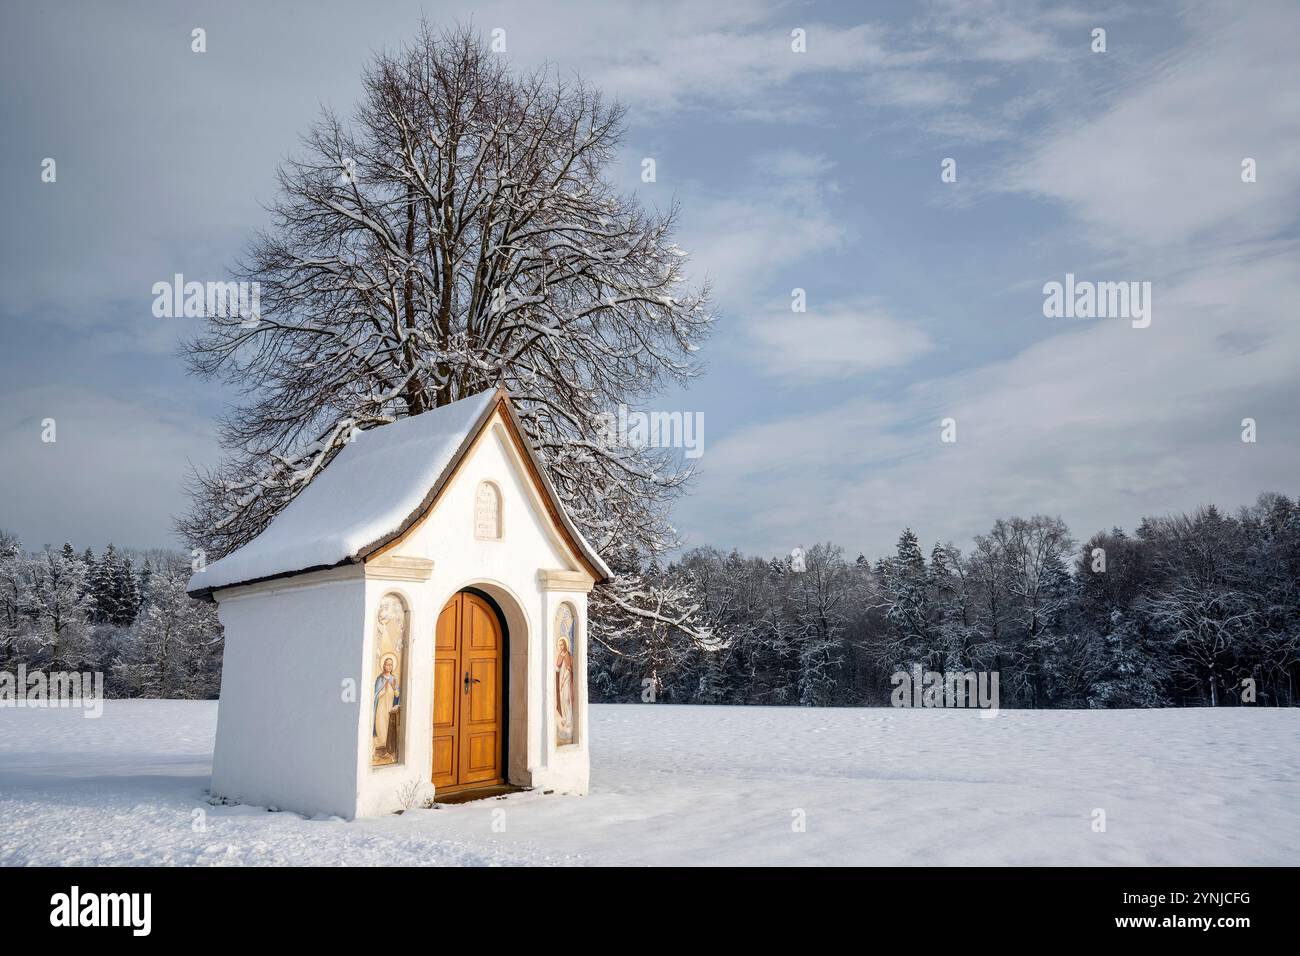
x=207, y=593
x=587, y=555
x=595, y=565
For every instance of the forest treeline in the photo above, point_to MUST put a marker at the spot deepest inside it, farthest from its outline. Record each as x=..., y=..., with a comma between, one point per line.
x=1187, y=610
x=1184, y=611
x=127, y=617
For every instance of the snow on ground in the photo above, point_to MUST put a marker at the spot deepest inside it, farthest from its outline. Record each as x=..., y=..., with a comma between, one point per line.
x=704, y=785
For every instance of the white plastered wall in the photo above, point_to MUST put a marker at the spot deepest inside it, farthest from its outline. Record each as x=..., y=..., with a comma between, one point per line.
x=509, y=571
x=565, y=769
x=285, y=723
x=289, y=736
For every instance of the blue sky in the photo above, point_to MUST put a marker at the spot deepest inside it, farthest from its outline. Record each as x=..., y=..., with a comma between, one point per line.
x=817, y=170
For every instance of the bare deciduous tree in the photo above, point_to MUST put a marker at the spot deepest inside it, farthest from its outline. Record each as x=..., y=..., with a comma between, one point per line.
x=458, y=233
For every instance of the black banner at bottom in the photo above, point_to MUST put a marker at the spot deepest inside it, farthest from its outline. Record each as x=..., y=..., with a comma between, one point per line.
x=730, y=905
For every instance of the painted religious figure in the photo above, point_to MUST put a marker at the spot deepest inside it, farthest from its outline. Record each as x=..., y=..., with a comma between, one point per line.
x=566, y=700
x=386, y=701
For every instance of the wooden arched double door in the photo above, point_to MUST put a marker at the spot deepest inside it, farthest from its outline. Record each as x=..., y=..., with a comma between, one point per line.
x=468, y=704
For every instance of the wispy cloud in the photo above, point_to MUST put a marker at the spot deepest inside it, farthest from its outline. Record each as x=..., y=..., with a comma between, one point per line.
x=1096, y=421
x=775, y=216
x=833, y=341
x=1101, y=424
x=1162, y=165
x=816, y=170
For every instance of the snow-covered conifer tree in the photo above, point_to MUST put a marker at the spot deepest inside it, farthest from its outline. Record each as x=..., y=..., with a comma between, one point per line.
x=905, y=601
x=102, y=581
x=145, y=583
x=126, y=594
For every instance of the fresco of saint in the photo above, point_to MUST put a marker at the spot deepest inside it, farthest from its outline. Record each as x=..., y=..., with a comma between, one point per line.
x=566, y=704
x=387, y=699
x=386, y=714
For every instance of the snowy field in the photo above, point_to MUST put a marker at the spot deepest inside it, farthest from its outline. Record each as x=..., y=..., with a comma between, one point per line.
x=698, y=785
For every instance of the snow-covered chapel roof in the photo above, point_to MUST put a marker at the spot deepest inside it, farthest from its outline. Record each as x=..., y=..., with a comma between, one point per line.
x=372, y=492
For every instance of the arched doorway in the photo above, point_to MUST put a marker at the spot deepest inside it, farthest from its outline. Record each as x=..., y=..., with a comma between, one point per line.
x=469, y=694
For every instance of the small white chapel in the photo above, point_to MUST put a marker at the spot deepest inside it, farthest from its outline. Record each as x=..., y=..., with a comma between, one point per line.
x=412, y=624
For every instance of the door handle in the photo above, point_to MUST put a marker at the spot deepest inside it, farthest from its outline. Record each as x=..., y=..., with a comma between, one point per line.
x=470, y=680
